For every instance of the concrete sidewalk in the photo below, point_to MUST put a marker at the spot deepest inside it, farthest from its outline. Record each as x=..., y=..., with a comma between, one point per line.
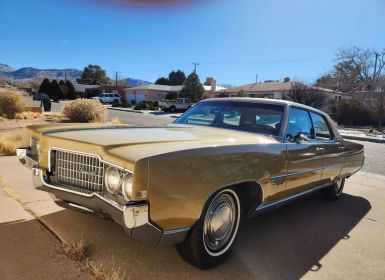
x=27, y=248
x=310, y=238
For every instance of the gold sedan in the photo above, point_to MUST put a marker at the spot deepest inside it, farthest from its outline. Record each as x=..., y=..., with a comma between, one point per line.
x=191, y=183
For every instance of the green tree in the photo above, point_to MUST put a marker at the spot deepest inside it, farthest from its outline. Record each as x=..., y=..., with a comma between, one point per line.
x=162, y=81
x=55, y=92
x=71, y=93
x=94, y=75
x=192, y=88
x=63, y=88
x=45, y=87
x=176, y=78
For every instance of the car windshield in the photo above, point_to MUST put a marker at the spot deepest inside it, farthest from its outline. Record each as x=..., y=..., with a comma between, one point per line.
x=251, y=117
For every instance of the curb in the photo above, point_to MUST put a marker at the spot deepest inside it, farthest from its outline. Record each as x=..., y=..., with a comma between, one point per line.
x=125, y=110
x=360, y=138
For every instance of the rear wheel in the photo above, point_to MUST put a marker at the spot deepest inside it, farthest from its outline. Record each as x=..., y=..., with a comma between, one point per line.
x=334, y=192
x=212, y=238
x=172, y=109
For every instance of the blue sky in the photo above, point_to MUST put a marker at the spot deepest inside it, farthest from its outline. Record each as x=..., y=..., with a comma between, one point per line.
x=232, y=40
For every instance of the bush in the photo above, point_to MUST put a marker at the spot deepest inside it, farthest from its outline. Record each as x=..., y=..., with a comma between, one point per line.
x=351, y=113
x=85, y=111
x=11, y=103
x=149, y=105
x=9, y=142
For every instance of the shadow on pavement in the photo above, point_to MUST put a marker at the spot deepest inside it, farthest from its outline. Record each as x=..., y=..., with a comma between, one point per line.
x=282, y=244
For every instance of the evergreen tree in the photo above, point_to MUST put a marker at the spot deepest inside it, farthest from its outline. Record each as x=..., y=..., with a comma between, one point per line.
x=176, y=78
x=192, y=88
x=162, y=81
x=63, y=88
x=94, y=75
x=45, y=87
x=55, y=92
x=71, y=93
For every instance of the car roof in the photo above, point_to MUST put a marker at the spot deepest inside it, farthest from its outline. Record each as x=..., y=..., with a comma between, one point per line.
x=265, y=101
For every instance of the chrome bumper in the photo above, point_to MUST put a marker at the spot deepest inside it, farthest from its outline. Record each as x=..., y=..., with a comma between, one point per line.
x=25, y=158
x=134, y=217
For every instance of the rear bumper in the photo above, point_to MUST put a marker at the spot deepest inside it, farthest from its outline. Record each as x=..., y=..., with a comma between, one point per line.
x=133, y=217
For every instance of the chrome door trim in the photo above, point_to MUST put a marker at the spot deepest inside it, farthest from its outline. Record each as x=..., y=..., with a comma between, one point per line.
x=264, y=207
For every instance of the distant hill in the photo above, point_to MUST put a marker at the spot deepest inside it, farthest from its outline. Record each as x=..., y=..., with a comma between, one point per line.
x=31, y=73
x=6, y=68
x=135, y=82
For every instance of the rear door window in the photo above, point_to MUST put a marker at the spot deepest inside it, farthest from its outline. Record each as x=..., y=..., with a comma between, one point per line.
x=299, y=123
x=321, y=128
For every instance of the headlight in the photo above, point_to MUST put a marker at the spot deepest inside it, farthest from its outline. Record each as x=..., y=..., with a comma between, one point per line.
x=127, y=186
x=112, y=179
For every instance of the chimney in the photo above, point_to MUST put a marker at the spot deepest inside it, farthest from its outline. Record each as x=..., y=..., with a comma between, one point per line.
x=286, y=79
x=213, y=85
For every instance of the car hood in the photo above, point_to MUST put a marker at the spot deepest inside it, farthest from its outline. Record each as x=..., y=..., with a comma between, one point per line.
x=131, y=143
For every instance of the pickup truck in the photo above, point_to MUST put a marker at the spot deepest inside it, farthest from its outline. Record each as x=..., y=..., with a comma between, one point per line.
x=180, y=104
x=108, y=98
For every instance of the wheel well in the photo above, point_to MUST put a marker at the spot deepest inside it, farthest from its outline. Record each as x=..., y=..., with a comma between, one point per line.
x=251, y=195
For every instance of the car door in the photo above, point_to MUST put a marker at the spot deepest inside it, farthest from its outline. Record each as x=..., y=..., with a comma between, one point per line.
x=304, y=155
x=332, y=148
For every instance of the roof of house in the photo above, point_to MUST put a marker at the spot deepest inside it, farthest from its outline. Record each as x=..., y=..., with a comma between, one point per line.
x=82, y=88
x=168, y=88
x=272, y=86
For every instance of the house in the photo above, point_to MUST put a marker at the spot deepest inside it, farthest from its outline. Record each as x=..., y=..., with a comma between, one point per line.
x=81, y=89
x=153, y=92
x=278, y=90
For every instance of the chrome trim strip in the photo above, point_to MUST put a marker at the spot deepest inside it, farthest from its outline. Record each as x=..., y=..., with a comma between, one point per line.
x=290, y=198
x=295, y=173
x=177, y=230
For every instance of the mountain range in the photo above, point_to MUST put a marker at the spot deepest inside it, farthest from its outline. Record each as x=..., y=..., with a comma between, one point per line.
x=30, y=73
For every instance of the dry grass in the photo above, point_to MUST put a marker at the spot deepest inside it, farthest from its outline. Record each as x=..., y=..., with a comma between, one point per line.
x=11, y=103
x=85, y=111
x=78, y=251
x=9, y=142
x=28, y=116
x=115, y=121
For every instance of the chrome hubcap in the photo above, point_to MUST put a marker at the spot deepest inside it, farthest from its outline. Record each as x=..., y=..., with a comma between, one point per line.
x=219, y=222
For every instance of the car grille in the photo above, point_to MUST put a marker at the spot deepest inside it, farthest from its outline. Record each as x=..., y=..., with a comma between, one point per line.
x=78, y=171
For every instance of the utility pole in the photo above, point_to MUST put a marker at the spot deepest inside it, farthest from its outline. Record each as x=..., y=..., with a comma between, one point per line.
x=195, y=67
x=116, y=79
x=65, y=76
x=375, y=65
x=256, y=78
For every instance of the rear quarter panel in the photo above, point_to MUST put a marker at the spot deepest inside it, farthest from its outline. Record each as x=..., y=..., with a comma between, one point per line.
x=353, y=157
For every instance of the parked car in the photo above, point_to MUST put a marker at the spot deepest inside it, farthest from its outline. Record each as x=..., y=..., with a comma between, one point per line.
x=113, y=98
x=192, y=182
x=181, y=104
x=40, y=96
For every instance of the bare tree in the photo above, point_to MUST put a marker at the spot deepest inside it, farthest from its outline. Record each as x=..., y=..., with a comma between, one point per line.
x=307, y=95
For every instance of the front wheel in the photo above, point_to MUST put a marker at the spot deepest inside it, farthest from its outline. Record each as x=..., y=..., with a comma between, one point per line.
x=212, y=238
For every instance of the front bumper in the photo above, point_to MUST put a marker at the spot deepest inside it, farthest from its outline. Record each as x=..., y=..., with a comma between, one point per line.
x=134, y=216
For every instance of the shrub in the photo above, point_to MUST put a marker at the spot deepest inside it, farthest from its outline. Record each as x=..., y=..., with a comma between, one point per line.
x=149, y=105
x=85, y=110
x=351, y=113
x=11, y=103
x=9, y=142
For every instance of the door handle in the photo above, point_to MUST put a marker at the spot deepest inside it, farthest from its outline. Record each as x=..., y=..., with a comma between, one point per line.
x=320, y=149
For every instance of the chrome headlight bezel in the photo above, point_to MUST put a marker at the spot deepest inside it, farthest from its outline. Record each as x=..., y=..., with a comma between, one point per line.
x=112, y=180
x=127, y=186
